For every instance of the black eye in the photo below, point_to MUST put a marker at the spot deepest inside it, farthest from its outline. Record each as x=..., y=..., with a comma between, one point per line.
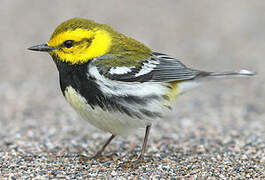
x=68, y=43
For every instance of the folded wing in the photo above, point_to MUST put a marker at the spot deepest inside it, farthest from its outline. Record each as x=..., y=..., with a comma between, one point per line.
x=158, y=68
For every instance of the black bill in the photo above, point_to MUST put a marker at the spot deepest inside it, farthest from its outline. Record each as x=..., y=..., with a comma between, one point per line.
x=41, y=47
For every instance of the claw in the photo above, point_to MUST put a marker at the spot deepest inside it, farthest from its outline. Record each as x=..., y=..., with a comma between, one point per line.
x=133, y=164
x=84, y=158
x=140, y=161
x=97, y=156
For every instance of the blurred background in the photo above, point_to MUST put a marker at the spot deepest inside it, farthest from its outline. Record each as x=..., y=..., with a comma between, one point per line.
x=208, y=35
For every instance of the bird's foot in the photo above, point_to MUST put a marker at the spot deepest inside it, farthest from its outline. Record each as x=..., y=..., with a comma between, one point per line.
x=85, y=158
x=133, y=164
x=97, y=156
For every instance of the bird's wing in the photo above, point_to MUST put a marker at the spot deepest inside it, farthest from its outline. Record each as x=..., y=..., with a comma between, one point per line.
x=158, y=68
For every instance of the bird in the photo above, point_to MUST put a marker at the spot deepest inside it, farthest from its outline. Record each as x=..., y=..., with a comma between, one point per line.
x=117, y=83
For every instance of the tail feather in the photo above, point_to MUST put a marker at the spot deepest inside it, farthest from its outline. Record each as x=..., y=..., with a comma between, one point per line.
x=205, y=76
x=242, y=72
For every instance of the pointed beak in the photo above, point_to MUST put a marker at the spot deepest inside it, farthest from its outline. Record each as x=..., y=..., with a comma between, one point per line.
x=41, y=47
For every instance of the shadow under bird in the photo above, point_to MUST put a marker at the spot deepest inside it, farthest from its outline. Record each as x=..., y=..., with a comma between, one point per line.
x=116, y=83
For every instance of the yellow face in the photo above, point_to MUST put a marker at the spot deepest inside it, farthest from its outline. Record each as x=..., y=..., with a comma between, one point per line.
x=78, y=40
x=80, y=45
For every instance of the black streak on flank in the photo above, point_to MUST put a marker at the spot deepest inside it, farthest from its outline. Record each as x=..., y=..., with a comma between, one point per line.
x=150, y=113
x=76, y=77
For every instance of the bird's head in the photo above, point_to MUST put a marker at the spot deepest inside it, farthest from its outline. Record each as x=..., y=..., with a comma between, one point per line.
x=76, y=41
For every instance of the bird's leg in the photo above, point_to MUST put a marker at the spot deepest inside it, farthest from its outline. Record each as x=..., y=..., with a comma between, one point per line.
x=99, y=153
x=141, y=156
x=135, y=164
x=147, y=130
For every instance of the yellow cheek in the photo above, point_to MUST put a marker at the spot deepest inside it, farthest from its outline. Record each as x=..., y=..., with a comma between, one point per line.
x=100, y=45
x=72, y=55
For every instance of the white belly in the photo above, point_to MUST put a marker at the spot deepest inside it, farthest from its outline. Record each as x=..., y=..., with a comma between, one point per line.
x=114, y=122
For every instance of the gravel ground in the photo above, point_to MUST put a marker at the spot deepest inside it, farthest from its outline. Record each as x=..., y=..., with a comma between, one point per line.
x=214, y=132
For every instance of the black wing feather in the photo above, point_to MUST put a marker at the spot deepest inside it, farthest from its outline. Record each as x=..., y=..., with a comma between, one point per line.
x=158, y=68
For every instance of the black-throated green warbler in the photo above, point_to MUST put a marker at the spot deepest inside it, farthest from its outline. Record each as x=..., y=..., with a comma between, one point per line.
x=115, y=82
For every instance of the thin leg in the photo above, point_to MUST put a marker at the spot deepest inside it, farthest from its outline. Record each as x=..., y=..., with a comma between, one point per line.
x=147, y=130
x=99, y=153
x=141, y=156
